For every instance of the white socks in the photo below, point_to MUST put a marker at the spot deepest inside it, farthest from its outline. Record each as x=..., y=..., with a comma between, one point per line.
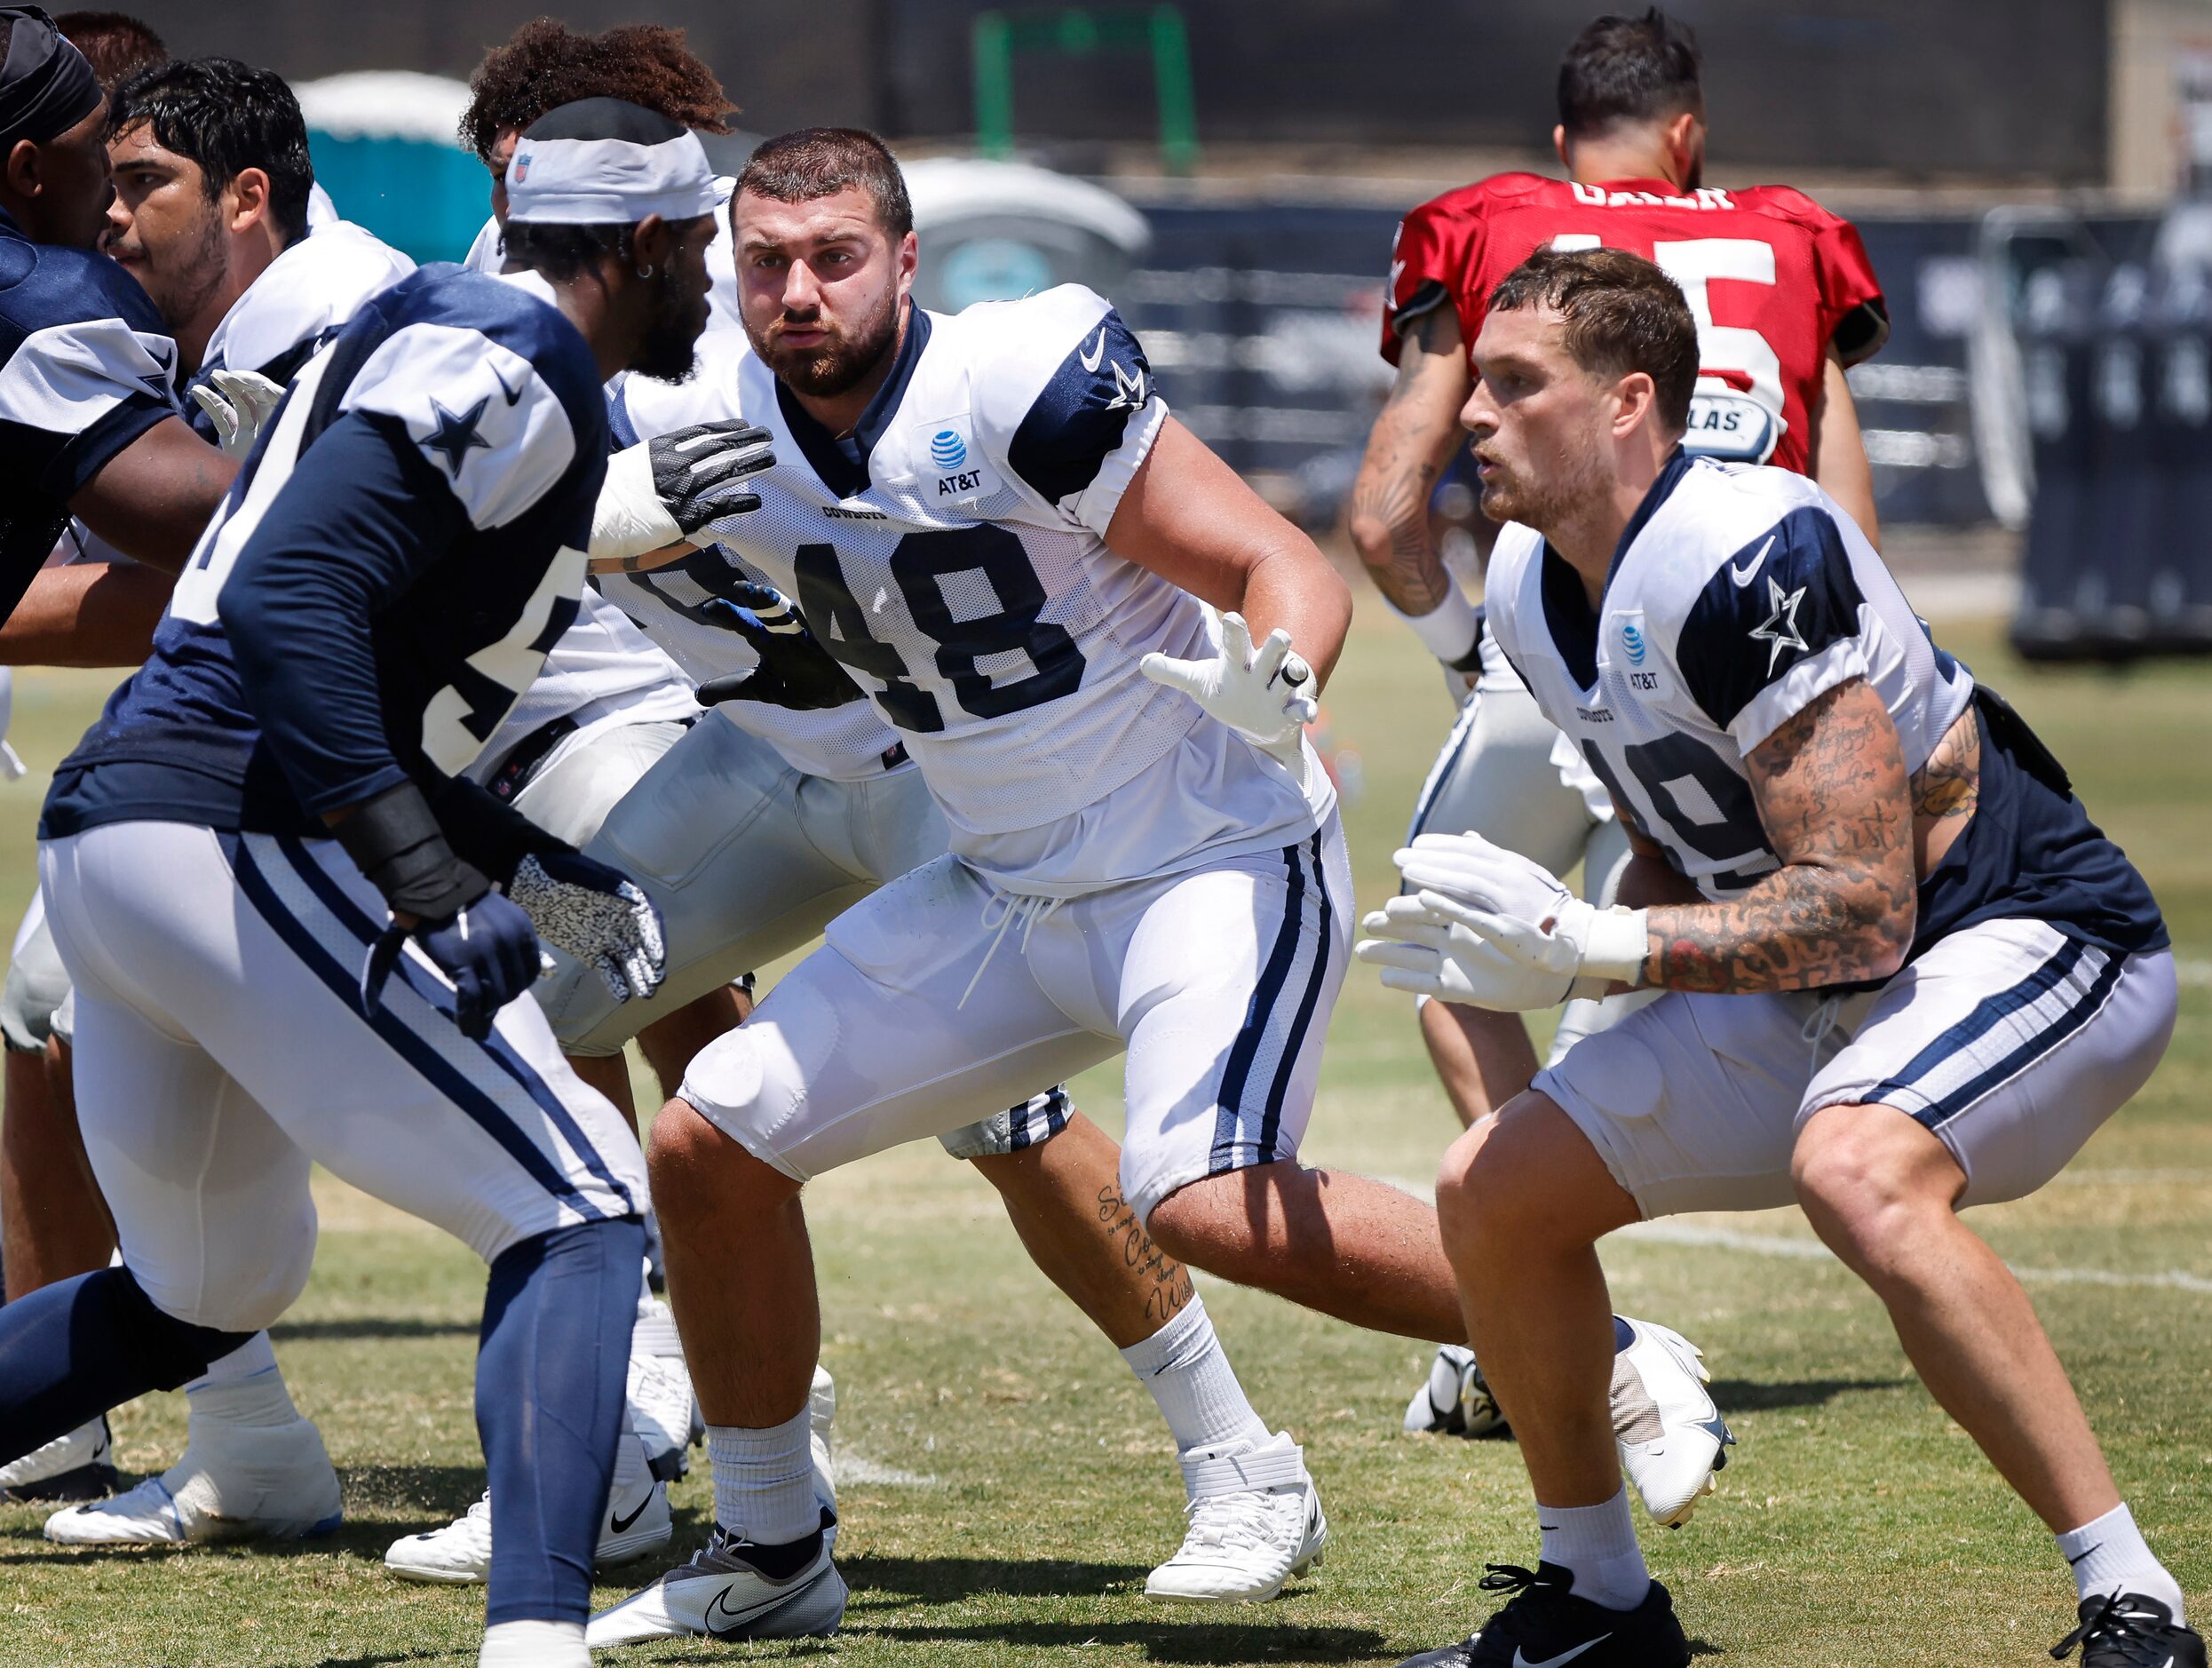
x=2109, y=1556
x=244, y=1388
x=763, y=1480
x=534, y=1645
x=1190, y=1377
x=1597, y=1543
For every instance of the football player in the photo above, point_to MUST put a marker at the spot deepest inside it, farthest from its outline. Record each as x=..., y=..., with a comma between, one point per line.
x=279, y=903
x=1785, y=299
x=209, y=215
x=991, y=522
x=1902, y=972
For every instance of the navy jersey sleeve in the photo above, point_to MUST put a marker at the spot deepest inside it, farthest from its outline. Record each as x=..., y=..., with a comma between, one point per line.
x=74, y=394
x=1090, y=427
x=1778, y=623
x=361, y=518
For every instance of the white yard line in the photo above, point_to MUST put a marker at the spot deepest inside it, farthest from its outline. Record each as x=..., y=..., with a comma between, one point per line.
x=2193, y=973
x=1812, y=1251
x=846, y=1465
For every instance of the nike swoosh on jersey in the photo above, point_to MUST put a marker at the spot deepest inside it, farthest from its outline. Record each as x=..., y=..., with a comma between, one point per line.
x=621, y=1525
x=512, y=394
x=1098, y=351
x=1745, y=575
x=1521, y=1661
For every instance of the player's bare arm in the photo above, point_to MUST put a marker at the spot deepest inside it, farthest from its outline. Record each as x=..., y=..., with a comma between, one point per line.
x=154, y=496
x=1189, y=517
x=92, y=614
x=1412, y=441
x=1839, y=450
x=1832, y=795
x=1649, y=878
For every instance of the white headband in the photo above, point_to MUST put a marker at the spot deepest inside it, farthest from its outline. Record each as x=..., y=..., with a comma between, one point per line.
x=607, y=181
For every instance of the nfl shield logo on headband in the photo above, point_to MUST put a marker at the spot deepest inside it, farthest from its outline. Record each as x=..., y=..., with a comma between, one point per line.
x=521, y=167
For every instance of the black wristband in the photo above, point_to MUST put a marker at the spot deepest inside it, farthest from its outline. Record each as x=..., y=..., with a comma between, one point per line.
x=397, y=844
x=486, y=830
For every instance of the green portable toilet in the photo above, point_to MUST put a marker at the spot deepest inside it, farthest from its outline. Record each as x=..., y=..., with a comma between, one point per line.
x=385, y=149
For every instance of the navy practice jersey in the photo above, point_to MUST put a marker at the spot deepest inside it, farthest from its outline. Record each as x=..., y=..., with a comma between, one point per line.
x=1738, y=596
x=383, y=581
x=88, y=369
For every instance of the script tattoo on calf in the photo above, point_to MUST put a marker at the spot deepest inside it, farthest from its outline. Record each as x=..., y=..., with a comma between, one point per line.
x=1832, y=793
x=1171, y=1289
x=1396, y=493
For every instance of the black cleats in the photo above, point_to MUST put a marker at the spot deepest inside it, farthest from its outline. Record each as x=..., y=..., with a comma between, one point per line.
x=1544, y=1625
x=2126, y=1629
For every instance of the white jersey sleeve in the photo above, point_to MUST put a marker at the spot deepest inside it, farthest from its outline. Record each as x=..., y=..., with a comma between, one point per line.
x=496, y=432
x=1065, y=402
x=306, y=294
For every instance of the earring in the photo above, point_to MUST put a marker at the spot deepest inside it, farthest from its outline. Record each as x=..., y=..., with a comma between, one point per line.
x=645, y=271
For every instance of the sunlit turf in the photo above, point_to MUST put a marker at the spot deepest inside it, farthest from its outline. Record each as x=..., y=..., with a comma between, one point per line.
x=1857, y=1529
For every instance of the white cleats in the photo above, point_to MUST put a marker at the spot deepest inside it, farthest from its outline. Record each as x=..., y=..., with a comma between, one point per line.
x=233, y=1482
x=460, y=1554
x=722, y=1595
x=663, y=1412
x=1671, y=1437
x=78, y=1466
x=1454, y=1400
x=1254, y=1521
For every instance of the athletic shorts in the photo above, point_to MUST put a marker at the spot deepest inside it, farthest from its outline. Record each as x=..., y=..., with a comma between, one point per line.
x=748, y=859
x=2010, y=1041
x=1503, y=774
x=940, y=993
x=221, y=1052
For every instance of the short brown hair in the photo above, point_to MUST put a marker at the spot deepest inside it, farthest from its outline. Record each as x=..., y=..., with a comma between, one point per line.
x=116, y=46
x=1628, y=69
x=1622, y=314
x=546, y=64
x=820, y=162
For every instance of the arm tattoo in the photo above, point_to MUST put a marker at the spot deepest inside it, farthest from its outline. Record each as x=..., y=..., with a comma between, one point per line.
x=1832, y=793
x=1171, y=1289
x=1406, y=454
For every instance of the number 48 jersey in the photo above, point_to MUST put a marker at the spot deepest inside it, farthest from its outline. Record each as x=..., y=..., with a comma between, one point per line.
x=1773, y=279
x=950, y=551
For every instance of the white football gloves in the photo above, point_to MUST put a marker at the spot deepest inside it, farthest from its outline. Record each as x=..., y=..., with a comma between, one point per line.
x=1266, y=697
x=664, y=490
x=1486, y=926
x=238, y=402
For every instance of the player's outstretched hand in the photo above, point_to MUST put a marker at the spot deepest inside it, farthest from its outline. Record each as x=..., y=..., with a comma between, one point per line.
x=1266, y=697
x=597, y=915
x=1483, y=876
x=795, y=669
x=1422, y=948
x=238, y=403
x=663, y=491
x=488, y=948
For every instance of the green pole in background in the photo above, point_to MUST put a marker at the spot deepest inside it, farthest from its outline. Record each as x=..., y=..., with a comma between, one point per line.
x=1079, y=32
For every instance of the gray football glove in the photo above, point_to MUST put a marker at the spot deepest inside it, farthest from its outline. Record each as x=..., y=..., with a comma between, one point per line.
x=595, y=915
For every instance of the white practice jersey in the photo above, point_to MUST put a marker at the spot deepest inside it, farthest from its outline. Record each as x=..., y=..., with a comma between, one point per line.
x=301, y=299
x=489, y=253
x=951, y=553
x=602, y=669
x=1739, y=595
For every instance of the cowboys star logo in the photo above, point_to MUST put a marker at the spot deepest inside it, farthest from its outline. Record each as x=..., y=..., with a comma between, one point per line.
x=1128, y=388
x=1779, y=631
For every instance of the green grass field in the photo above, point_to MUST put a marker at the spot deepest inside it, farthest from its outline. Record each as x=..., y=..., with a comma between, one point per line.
x=1026, y=1484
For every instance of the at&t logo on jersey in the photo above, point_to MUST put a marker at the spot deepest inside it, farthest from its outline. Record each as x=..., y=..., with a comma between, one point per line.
x=1636, y=649
x=958, y=470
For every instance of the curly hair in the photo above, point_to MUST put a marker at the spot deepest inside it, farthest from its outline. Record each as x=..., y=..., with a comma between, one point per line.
x=545, y=64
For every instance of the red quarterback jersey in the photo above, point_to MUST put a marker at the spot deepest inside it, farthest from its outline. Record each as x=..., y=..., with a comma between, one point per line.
x=1773, y=278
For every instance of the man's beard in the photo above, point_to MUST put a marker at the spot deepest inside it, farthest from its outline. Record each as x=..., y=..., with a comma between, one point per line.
x=1551, y=501
x=668, y=351
x=825, y=372
x=183, y=283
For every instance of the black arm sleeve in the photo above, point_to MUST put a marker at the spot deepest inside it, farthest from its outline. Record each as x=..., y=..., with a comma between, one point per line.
x=362, y=517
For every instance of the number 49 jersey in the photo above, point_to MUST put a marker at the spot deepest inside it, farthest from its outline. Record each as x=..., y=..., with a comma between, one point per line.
x=950, y=553
x=1773, y=279
x=1738, y=596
